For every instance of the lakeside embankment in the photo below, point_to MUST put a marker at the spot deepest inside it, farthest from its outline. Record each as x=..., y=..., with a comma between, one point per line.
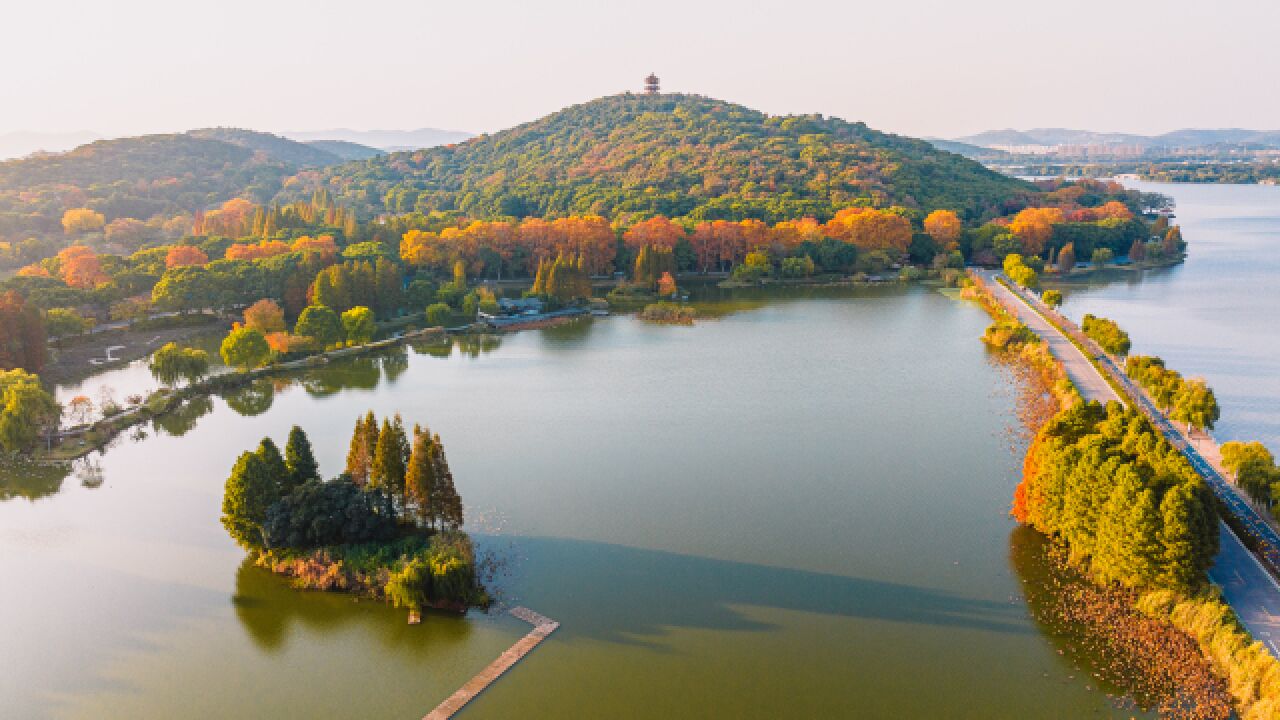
x=77, y=442
x=1225, y=637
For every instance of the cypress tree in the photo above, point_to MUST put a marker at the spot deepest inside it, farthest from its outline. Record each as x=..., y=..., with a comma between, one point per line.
x=274, y=465
x=1113, y=556
x=460, y=276
x=389, y=288
x=388, y=469
x=1067, y=258
x=1179, y=564
x=360, y=454
x=420, y=479
x=300, y=459
x=1144, y=527
x=446, y=504
x=555, y=278
x=540, y=279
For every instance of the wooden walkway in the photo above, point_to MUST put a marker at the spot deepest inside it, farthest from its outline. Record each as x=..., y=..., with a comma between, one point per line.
x=542, y=627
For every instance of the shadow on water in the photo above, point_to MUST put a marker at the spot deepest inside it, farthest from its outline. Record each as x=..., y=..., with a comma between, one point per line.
x=621, y=594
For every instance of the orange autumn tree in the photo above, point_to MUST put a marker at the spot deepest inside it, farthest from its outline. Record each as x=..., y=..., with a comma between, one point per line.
x=1034, y=226
x=793, y=233
x=34, y=271
x=717, y=244
x=81, y=267
x=233, y=219
x=323, y=244
x=944, y=227
x=666, y=285
x=184, y=256
x=590, y=237
x=257, y=251
x=657, y=231
x=871, y=229
x=265, y=316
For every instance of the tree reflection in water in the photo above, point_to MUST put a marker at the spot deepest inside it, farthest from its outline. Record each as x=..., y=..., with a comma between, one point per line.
x=182, y=420
x=253, y=399
x=28, y=480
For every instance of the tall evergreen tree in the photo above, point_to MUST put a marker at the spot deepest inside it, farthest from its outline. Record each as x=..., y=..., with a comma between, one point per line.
x=420, y=479
x=446, y=504
x=273, y=464
x=360, y=453
x=388, y=469
x=1180, y=567
x=1113, y=554
x=1067, y=258
x=299, y=458
x=389, y=290
x=1146, y=554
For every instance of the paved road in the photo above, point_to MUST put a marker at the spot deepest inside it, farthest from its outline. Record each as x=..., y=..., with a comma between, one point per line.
x=1248, y=589
x=1247, y=585
x=1083, y=374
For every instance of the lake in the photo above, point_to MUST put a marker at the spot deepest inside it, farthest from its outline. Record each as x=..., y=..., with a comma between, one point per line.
x=797, y=509
x=1217, y=315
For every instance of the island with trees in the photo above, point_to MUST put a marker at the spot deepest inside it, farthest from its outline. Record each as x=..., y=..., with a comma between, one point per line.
x=389, y=527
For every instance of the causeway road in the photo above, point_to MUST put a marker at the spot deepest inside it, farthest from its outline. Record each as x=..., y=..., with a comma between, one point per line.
x=1083, y=374
x=1246, y=585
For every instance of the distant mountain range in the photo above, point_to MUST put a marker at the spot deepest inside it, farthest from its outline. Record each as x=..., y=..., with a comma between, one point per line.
x=1185, y=138
x=345, y=144
x=24, y=142
x=389, y=140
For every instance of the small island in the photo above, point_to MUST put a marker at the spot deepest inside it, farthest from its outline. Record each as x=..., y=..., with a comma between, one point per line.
x=388, y=528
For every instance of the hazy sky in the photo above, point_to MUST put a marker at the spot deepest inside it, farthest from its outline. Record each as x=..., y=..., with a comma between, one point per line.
x=920, y=67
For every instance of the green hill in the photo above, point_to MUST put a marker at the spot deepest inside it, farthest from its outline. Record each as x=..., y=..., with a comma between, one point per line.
x=677, y=155
x=273, y=146
x=345, y=149
x=140, y=177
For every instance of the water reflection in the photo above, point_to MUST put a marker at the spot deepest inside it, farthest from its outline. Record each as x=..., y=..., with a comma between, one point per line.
x=268, y=607
x=469, y=345
x=182, y=419
x=30, y=481
x=254, y=398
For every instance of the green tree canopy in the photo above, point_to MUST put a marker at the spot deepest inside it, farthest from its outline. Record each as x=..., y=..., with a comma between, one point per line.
x=25, y=409
x=245, y=348
x=359, y=325
x=321, y=324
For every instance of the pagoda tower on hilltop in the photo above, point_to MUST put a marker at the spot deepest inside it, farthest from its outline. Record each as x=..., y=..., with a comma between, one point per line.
x=651, y=85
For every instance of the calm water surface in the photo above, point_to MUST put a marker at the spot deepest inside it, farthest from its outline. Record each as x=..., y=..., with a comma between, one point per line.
x=1217, y=315
x=795, y=510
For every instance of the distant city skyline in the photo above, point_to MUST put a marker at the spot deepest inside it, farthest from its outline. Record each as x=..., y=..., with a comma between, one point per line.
x=914, y=67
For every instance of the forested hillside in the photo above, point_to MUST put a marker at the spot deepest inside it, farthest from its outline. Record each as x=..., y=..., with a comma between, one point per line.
x=688, y=157
x=158, y=179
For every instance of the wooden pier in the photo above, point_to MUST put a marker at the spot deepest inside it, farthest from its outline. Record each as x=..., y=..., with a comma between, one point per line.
x=542, y=627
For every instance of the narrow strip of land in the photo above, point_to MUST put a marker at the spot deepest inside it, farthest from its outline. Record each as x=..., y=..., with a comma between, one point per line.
x=1080, y=370
x=1246, y=583
x=542, y=627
